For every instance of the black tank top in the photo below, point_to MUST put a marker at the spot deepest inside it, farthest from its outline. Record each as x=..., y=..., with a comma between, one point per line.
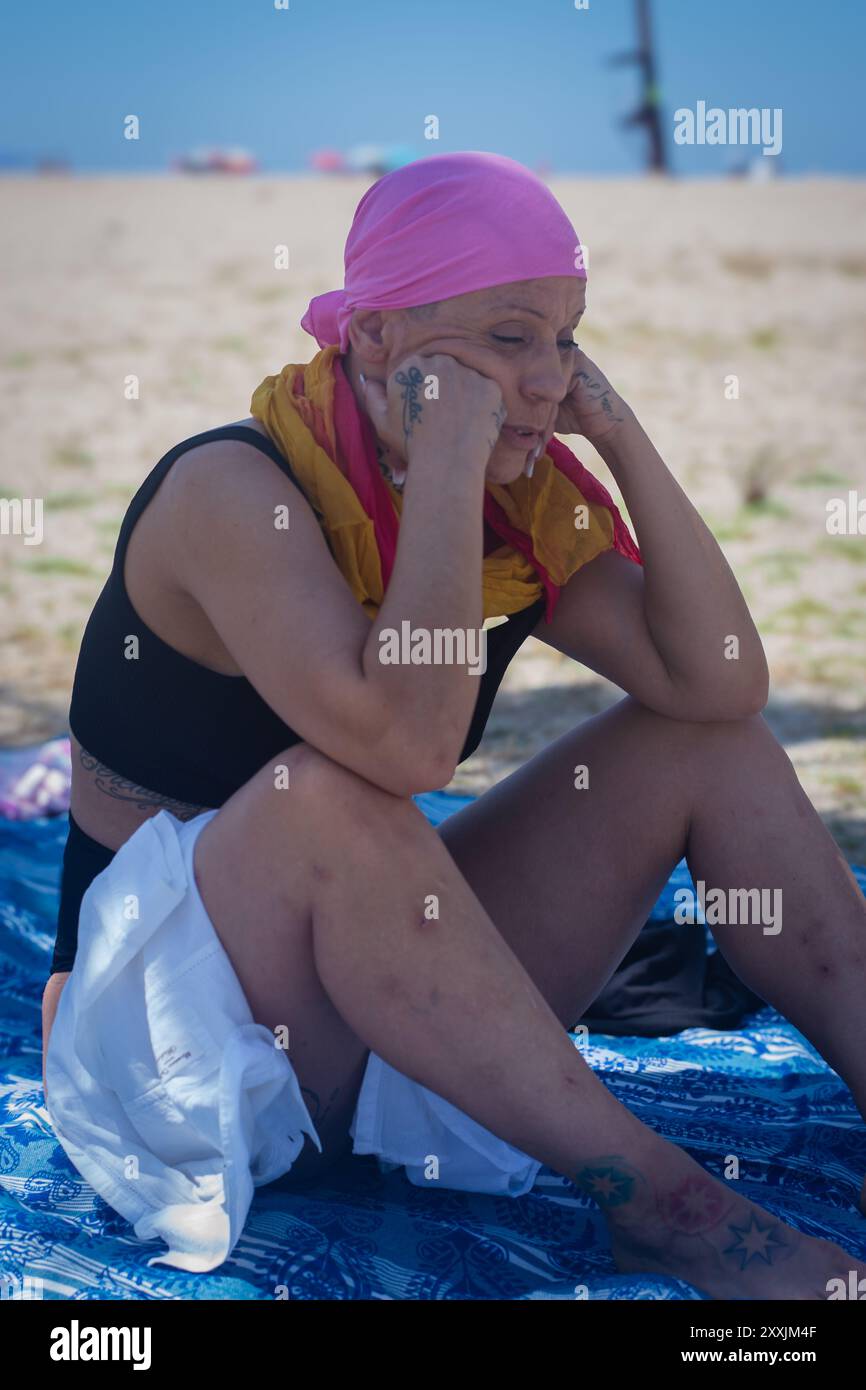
x=178, y=728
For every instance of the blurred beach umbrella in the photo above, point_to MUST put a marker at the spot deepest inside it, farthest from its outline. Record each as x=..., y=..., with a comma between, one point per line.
x=327, y=161
x=232, y=160
x=236, y=160
x=757, y=169
x=366, y=159
x=379, y=159
x=53, y=164
x=195, y=162
x=398, y=155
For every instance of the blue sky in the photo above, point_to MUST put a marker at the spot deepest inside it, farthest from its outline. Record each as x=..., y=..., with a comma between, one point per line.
x=527, y=78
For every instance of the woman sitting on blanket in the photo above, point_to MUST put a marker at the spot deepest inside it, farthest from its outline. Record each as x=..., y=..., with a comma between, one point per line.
x=305, y=589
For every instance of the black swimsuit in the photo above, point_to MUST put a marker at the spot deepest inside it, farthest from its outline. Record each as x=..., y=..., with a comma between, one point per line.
x=177, y=728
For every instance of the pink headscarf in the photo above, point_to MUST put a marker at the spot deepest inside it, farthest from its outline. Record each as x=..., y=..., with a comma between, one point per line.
x=442, y=226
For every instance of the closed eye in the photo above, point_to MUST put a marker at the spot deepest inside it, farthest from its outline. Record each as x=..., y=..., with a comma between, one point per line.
x=500, y=338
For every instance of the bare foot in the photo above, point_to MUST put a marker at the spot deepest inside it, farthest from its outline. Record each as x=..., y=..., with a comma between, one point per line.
x=682, y=1222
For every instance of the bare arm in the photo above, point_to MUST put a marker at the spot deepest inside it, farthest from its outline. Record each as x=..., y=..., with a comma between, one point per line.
x=695, y=611
x=678, y=634
x=281, y=606
x=601, y=621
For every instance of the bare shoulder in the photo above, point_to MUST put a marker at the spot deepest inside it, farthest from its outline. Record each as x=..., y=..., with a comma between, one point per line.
x=212, y=512
x=233, y=513
x=217, y=460
x=219, y=487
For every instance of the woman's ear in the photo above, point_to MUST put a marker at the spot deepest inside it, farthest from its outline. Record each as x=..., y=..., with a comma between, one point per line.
x=368, y=332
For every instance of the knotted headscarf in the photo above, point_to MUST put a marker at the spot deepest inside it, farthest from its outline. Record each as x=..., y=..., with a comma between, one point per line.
x=443, y=226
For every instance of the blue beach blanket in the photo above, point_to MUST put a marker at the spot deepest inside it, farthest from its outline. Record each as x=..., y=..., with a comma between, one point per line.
x=761, y=1093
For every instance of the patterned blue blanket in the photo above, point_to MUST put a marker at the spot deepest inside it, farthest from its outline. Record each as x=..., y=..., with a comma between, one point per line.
x=761, y=1093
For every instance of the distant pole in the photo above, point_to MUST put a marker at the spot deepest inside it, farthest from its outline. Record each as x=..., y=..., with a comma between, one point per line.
x=648, y=112
x=652, y=106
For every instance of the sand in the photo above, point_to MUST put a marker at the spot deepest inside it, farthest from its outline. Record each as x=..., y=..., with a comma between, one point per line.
x=172, y=280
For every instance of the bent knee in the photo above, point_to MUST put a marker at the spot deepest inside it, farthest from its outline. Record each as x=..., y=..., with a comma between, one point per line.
x=737, y=726
x=730, y=742
x=314, y=782
x=745, y=728
x=689, y=741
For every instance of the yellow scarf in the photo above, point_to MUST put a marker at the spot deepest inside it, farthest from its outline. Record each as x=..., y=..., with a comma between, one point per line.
x=564, y=528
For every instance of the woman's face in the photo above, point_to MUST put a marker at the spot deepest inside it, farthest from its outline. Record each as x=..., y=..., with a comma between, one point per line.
x=519, y=334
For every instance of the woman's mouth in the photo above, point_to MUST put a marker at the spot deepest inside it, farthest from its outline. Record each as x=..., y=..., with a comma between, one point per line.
x=520, y=438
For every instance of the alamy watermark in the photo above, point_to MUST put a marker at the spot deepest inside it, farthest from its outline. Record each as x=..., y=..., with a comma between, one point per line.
x=846, y=517
x=736, y=126
x=77, y=1343
x=438, y=646
x=729, y=907
x=22, y=516
x=14, y=1287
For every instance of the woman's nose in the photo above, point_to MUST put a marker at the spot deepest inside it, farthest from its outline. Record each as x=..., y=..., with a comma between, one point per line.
x=546, y=378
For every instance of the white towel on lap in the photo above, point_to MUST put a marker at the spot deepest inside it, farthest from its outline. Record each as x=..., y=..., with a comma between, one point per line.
x=165, y=1094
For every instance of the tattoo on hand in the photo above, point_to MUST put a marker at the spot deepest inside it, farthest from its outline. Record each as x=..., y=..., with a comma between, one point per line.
x=599, y=391
x=411, y=381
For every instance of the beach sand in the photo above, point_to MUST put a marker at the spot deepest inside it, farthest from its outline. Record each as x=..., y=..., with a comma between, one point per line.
x=172, y=280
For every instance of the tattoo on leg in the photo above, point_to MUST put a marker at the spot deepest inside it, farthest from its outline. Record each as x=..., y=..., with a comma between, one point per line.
x=755, y=1242
x=314, y=1104
x=697, y=1208
x=695, y=1204
x=609, y=1181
